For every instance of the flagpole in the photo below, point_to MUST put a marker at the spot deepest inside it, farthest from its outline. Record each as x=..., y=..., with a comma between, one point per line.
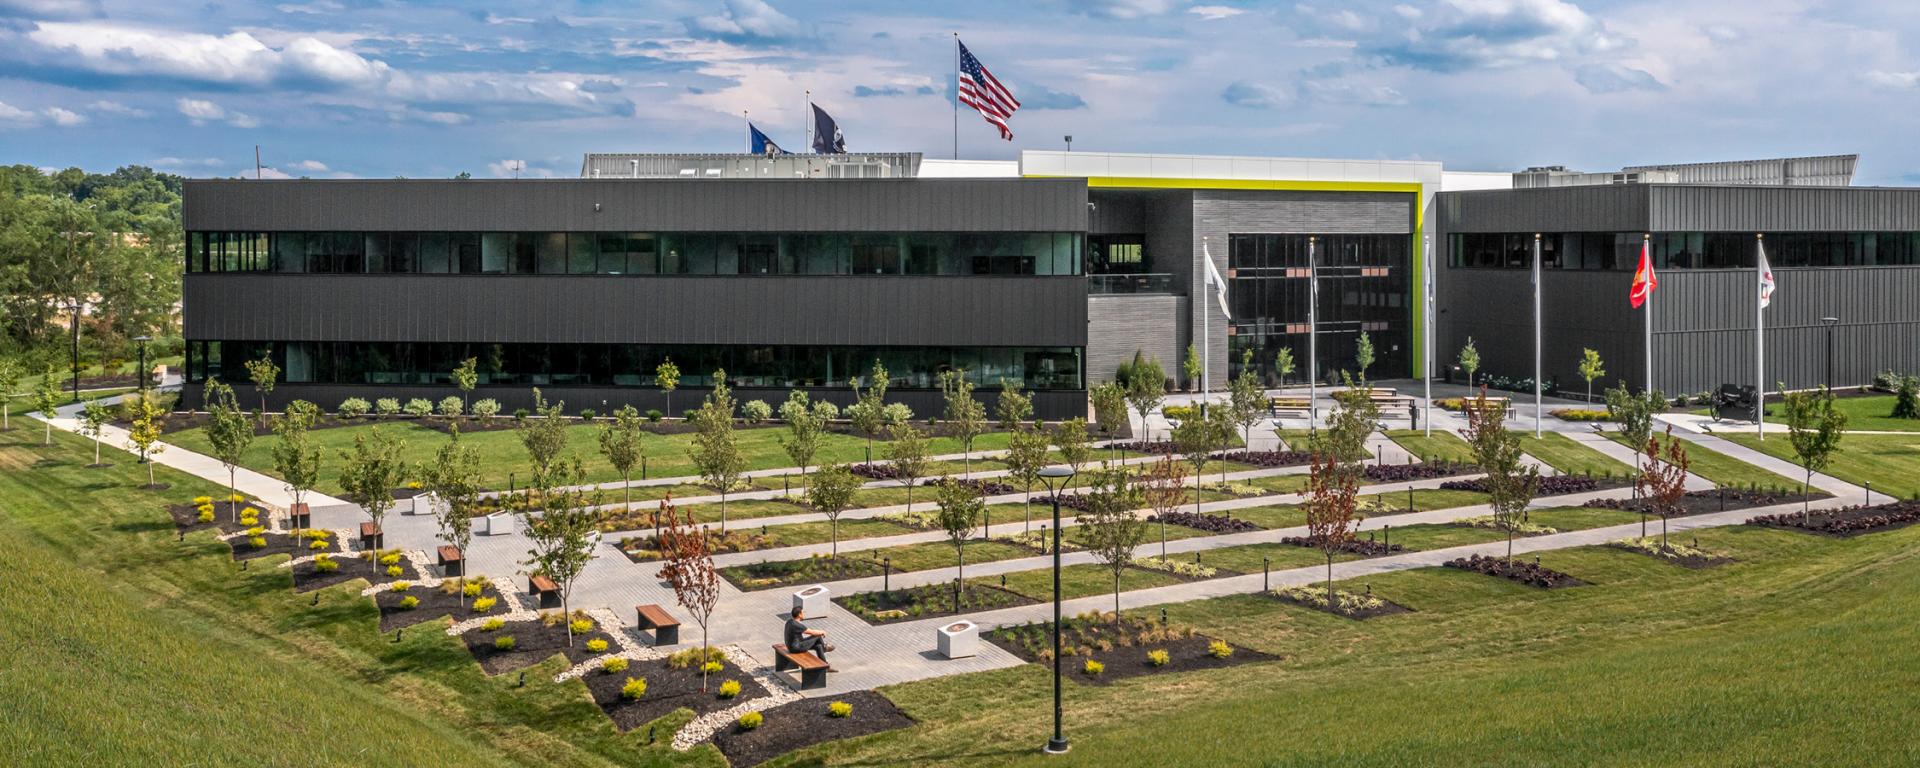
x=1426, y=362
x=1313, y=337
x=807, y=116
x=1646, y=254
x=1537, y=387
x=1759, y=336
x=1206, y=348
x=956, y=95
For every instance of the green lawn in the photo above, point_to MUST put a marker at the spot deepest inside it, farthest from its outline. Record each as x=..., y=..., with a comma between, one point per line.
x=1444, y=446
x=1077, y=581
x=1873, y=413
x=1570, y=457
x=1890, y=462
x=502, y=456
x=905, y=559
x=1723, y=469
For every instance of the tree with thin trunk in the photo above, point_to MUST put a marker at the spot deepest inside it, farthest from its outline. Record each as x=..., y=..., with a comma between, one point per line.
x=1283, y=365
x=1354, y=417
x=10, y=373
x=869, y=415
x=1195, y=438
x=230, y=432
x=1026, y=456
x=1146, y=389
x=1591, y=368
x=715, y=451
x=466, y=376
x=370, y=472
x=1663, y=481
x=1110, y=411
x=907, y=450
x=563, y=533
x=544, y=435
x=1192, y=367
x=1814, y=427
x=454, y=479
x=1014, y=406
x=93, y=422
x=960, y=510
x=965, y=417
x=1511, y=483
x=688, y=568
x=1164, y=489
x=1111, y=531
x=47, y=399
x=1070, y=439
x=264, y=374
x=1634, y=413
x=1333, y=488
x=806, y=429
x=295, y=458
x=831, y=493
x=144, y=433
x=667, y=378
x=620, y=442
x=1469, y=360
x=1363, y=354
x=1247, y=403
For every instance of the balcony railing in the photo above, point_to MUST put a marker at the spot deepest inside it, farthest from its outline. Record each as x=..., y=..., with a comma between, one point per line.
x=1154, y=282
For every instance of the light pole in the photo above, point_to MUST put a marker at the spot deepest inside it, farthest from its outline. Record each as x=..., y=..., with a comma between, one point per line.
x=142, y=373
x=75, y=317
x=1056, y=479
x=1830, y=321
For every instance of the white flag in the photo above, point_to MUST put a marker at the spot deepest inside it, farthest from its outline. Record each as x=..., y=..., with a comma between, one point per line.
x=1215, y=281
x=1766, y=279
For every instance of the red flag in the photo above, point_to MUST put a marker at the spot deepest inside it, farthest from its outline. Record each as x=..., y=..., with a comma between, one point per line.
x=1643, y=280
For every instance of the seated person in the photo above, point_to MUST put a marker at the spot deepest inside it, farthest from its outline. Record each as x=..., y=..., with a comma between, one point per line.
x=800, y=639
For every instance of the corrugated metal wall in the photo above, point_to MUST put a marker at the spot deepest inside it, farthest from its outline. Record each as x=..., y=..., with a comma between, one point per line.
x=1617, y=208
x=1712, y=317
x=1782, y=209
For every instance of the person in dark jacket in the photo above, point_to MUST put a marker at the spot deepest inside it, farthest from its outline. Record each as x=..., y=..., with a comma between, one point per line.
x=800, y=639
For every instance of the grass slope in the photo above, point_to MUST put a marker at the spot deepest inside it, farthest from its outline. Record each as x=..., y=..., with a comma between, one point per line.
x=1890, y=462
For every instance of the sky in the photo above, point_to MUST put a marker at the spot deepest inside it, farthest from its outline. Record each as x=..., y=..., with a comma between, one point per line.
x=373, y=88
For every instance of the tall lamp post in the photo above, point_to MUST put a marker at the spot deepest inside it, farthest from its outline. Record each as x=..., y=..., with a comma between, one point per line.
x=142, y=372
x=74, y=315
x=1830, y=321
x=1056, y=480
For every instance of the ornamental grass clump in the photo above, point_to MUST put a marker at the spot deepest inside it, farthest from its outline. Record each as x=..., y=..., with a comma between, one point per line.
x=581, y=626
x=1093, y=668
x=473, y=588
x=504, y=643
x=596, y=645
x=257, y=542
x=634, y=688
x=484, y=604
x=750, y=721
x=839, y=709
x=400, y=586
x=712, y=667
x=409, y=603
x=1219, y=649
x=390, y=558
x=206, y=514
x=613, y=666
x=394, y=571
x=325, y=564
x=318, y=545
x=729, y=689
x=1158, y=657
x=493, y=625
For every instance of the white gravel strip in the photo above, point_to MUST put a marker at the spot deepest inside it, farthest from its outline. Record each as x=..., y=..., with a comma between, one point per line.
x=703, y=728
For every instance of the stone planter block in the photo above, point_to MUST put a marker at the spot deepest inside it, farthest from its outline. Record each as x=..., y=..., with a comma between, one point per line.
x=813, y=600
x=957, y=639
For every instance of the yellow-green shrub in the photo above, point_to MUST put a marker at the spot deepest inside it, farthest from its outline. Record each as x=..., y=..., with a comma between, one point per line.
x=839, y=709
x=729, y=689
x=409, y=603
x=750, y=721
x=634, y=688
x=712, y=667
x=484, y=604
x=581, y=626
x=1219, y=649
x=504, y=643
x=613, y=666
x=400, y=586
x=492, y=625
x=257, y=542
x=473, y=588
x=394, y=571
x=596, y=645
x=1158, y=657
x=1093, y=667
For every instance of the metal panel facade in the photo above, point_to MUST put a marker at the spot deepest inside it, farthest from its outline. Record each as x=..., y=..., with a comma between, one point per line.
x=1619, y=208
x=1119, y=325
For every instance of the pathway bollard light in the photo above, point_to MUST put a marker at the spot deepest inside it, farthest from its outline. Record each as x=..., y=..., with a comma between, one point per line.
x=886, y=574
x=1409, y=498
x=1266, y=572
x=1163, y=616
x=1869, y=486
x=1056, y=478
x=643, y=467
x=523, y=680
x=1386, y=534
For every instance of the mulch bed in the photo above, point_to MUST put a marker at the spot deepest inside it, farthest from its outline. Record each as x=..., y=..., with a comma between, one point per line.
x=186, y=517
x=1401, y=473
x=1200, y=521
x=1082, y=637
x=1530, y=574
x=534, y=642
x=306, y=578
x=277, y=544
x=1361, y=547
x=1386, y=607
x=1695, y=562
x=804, y=723
x=793, y=573
x=433, y=605
x=932, y=599
x=1268, y=459
x=1848, y=521
x=668, y=689
x=1702, y=502
x=1550, y=485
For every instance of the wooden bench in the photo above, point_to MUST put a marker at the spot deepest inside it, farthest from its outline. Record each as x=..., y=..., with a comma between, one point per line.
x=451, y=563
x=666, y=629
x=370, y=537
x=1277, y=404
x=299, y=515
x=545, y=590
x=813, y=671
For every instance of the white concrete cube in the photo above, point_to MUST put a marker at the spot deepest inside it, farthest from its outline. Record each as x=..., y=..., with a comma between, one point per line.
x=813, y=600
x=498, y=523
x=958, y=639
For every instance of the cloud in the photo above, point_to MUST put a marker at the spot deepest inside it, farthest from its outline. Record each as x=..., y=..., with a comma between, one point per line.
x=1242, y=93
x=1898, y=81
x=117, y=108
x=64, y=117
x=1336, y=92
x=51, y=9
x=12, y=114
x=309, y=165
x=1215, y=12
x=507, y=169
x=598, y=85
x=1615, y=78
x=743, y=20
x=265, y=172
x=319, y=7
x=1475, y=34
x=201, y=112
x=1041, y=97
x=1120, y=9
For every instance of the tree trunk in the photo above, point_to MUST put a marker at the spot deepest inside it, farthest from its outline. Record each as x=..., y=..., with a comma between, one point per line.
x=723, y=511
x=1026, y=508
x=1806, y=504
x=96, y=448
x=1663, y=530
x=1116, y=594
x=1331, y=605
x=626, y=482
x=1509, y=546
x=566, y=615
x=704, y=653
x=834, y=525
x=1163, y=535
x=149, y=474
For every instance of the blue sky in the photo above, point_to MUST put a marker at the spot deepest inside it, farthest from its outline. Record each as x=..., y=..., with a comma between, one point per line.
x=377, y=89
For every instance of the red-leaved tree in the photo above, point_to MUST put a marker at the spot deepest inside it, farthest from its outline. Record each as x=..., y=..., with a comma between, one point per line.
x=1333, y=489
x=1663, y=479
x=689, y=570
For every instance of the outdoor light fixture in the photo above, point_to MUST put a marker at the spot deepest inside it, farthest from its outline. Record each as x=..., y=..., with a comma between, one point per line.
x=143, y=360
x=1830, y=321
x=1056, y=479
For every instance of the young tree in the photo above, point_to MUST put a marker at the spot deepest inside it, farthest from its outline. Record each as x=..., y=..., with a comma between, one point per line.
x=1191, y=367
x=1194, y=438
x=544, y=435
x=466, y=376
x=1283, y=364
x=1110, y=410
x=47, y=398
x=1354, y=417
x=1070, y=438
x=1333, y=488
x=1164, y=489
x=667, y=378
x=869, y=415
x=1663, y=482
x=1249, y=401
x=1112, y=531
x=295, y=457
x=370, y=472
x=715, y=450
x=965, y=416
x=1146, y=389
x=806, y=429
x=93, y=422
x=563, y=534
x=831, y=493
x=688, y=568
x=229, y=431
x=144, y=434
x=1591, y=368
x=1026, y=456
x=1906, y=398
x=454, y=478
x=1469, y=360
x=908, y=452
x=1634, y=414
x=1814, y=426
x=1511, y=484
x=620, y=442
x=960, y=511
x=10, y=372
x=1363, y=354
x=264, y=375
x=1014, y=406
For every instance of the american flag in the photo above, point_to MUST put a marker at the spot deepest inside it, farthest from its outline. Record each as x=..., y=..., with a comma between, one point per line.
x=982, y=91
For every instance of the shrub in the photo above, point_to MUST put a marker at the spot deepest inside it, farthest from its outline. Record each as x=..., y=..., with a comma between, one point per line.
x=896, y=413
x=484, y=604
x=409, y=603
x=839, y=709
x=504, y=643
x=493, y=625
x=1093, y=667
x=635, y=688
x=1580, y=414
x=1906, y=398
x=353, y=408
x=1219, y=649
x=686, y=658
x=587, y=414
x=756, y=411
x=654, y=414
x=486, y=409
x=399, y=586
x=712, y=667
x=729, y=689
x=581, y=626
x=236, y=498
x=613, y=666
x=386, y=406
x=314, y=533
x=450, y=406
x=1158, y=657
x=520, y=413
x=200, y=500
x=390, y=558
x=394, y=571
x=318, y=545
x=825, y=410
x=206, y=514
x=750, y=721
x=325, y=564
x=257, y=542
x=473, y=588
x=596, y=645
x=1178, y=412
x=254, y=530
x=419, y=407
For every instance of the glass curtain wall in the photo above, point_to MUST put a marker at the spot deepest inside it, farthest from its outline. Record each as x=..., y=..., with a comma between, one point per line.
x=1620, y=251
x=1364, y=285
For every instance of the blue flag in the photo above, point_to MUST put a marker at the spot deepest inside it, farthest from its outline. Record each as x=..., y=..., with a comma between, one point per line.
x=761, y=144
x=826, y=134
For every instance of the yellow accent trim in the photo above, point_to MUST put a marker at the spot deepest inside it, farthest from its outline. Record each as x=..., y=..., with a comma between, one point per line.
x=1141, y=182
